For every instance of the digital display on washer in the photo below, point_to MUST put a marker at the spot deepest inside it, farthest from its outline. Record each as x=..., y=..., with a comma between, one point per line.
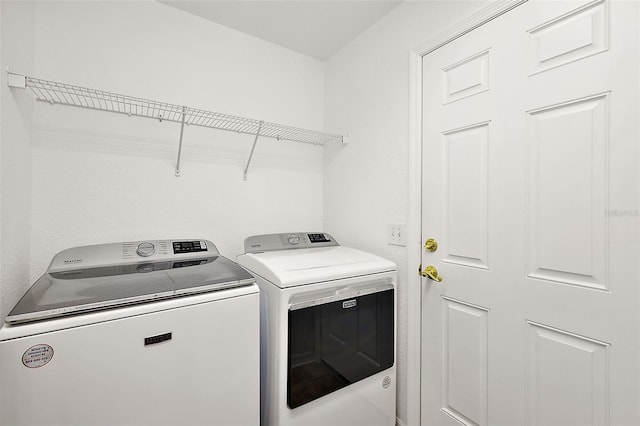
x=189, y=246
x=318, y=238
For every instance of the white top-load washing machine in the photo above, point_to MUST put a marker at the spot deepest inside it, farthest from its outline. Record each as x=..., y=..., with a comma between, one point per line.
x=327, y=331
x=135, y=333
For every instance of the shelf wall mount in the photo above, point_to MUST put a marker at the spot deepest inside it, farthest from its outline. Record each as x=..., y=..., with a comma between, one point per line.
x=83, y=97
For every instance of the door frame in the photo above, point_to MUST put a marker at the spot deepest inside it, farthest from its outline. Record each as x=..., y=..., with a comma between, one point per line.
x=414, y=214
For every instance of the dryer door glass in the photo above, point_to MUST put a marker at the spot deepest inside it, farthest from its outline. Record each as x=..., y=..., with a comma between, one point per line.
x=335, y=344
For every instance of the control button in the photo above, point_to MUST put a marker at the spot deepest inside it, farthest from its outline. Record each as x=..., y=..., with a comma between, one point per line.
x=293, y=238
x=145, y=249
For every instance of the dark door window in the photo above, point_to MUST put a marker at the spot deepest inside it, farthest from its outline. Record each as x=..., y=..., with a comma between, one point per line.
x=335, y=344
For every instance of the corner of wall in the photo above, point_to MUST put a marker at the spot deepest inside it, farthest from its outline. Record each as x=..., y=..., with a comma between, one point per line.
x=17, y=33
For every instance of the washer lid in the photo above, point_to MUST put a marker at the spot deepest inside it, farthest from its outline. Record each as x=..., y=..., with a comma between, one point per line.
x=288, y=268
x=65, y=292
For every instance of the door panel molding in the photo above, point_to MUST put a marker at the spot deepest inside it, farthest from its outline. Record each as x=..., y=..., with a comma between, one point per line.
x=574, y=262
x=569, y=38
x=466, y=78
x=583, y=361
x=466, y=204
x=465, y=368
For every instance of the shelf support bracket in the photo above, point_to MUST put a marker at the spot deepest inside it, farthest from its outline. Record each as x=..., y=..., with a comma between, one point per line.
x=255, y=141
x=16, y=80
x=184, y=114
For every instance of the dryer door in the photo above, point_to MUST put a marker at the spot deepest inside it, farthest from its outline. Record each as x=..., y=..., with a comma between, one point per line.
x=337, y=340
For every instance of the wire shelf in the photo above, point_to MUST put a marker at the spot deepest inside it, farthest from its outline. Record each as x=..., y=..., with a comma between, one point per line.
x=83, y=97
x=67, y=94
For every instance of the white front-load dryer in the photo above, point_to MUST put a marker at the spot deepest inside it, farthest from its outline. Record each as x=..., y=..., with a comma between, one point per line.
x=328, y=315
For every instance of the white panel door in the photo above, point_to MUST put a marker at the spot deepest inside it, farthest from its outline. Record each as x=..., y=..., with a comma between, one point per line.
x=531, y=189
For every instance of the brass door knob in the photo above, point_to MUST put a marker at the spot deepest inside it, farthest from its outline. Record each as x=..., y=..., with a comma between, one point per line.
x=430, y=272
x=431, y=245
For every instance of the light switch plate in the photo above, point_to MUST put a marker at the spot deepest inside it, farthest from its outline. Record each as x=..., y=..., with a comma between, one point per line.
x=396, y=234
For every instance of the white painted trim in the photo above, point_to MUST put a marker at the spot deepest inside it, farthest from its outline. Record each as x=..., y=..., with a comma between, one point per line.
x=492, y=11
x=414, y=241
x=414, y=216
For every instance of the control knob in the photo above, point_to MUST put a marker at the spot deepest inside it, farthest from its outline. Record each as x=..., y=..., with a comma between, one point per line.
x=145, y=249
x=293, y=238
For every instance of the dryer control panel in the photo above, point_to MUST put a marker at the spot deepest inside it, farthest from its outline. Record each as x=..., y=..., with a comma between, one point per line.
x=287, y=241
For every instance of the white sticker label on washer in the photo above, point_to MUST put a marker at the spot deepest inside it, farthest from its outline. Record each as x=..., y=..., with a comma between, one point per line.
x=37, y=356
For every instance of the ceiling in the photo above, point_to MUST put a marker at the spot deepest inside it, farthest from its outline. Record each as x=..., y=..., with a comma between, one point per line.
x=317, y=28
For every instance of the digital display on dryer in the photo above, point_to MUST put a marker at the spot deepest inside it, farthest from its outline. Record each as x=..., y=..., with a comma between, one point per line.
x=318, y=238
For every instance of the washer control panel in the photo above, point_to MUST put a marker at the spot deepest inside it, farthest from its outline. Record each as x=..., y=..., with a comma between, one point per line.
x=131, y=252
x=288, y=241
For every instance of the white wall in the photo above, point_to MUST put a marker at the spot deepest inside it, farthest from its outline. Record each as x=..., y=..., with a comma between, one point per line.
x=100, y=177
x=366, y=182
x=16, y=37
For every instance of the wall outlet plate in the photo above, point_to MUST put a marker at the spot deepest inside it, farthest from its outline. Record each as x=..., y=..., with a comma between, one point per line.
x=396, y=234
